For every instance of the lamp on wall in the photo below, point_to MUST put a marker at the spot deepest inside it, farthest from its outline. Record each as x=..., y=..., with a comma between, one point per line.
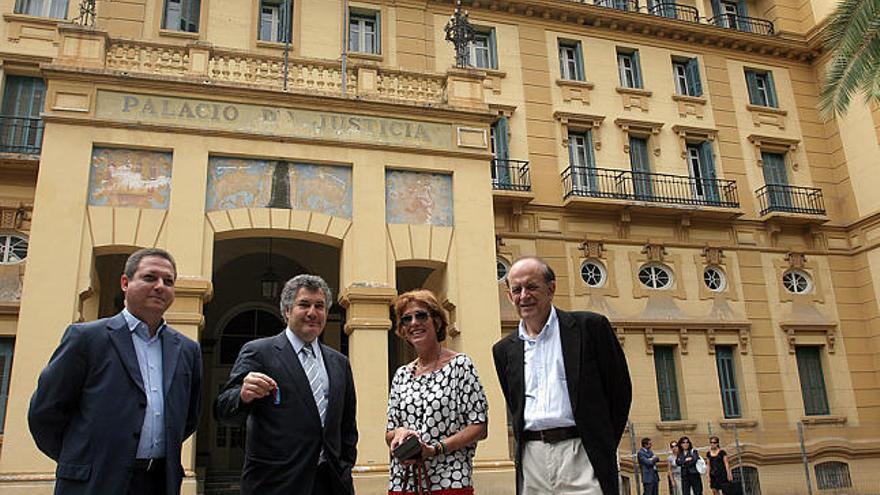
x=270, y=284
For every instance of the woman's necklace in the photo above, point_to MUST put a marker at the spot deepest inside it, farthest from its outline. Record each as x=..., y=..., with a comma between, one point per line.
x=425, y=368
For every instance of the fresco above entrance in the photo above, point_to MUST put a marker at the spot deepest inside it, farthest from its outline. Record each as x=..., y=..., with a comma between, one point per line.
x=130, y=178
x=249, y=183
x=418, y=198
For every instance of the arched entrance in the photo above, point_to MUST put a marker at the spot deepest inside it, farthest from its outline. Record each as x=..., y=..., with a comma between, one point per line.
x=245, y=306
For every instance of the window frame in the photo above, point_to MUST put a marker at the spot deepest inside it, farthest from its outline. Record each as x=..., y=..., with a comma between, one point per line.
x=499, y=263
x=630, y=77
x=282, y=18
x=192, y=19
x=725, y=364
x=490, y=48
x=722, y=278
x=654, y=267
x=811, y=375
x=666, y=374
x=828, y=480
x=808, y=280
x=602, y=272
x=686, y=74
x=6, y=248
x=582, y=159
x=761, y=88
x=362, y=17
x=571, y=68
x=51, y=9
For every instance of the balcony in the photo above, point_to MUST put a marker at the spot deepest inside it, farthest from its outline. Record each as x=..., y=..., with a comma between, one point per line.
x=743, y=23
x=623, y=187
x=21, y=134
x=510, y=175
x=785, y=199
x=672, y=10
x=627, y=5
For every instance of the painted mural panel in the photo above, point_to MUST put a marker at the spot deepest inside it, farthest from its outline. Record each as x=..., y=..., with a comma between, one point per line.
x=130, y=178
x=418, y=198
x=250, y=183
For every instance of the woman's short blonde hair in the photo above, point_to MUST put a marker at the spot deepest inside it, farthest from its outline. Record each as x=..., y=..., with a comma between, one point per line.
x=425, y=298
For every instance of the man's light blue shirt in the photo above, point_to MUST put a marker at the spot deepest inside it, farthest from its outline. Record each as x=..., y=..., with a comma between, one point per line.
x=149, y=354
x=547, y=402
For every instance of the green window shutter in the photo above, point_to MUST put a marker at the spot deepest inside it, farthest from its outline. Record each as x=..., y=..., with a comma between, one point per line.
x=742, y=12
x=5, y=369
x=377, y=49
x=637, y=69
x=716, y=9
x=771, y=91
x=501, y=173
x=560, y=50
x=58, y=10
x=641, y=167
x=667, y=383
x=592, y=179
x=493, y=50
x=579, y=61
x=707, y=171
x=752, y=83
x=812, y=378
x=692, y=72
x=727, y=381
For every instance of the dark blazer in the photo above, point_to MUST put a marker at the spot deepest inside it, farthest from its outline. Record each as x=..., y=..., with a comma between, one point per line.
x=285, y=440
x=598, y=385
x=648, y=465
x=89, y=406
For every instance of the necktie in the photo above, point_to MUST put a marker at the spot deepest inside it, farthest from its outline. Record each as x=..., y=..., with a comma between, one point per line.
x=316, y=380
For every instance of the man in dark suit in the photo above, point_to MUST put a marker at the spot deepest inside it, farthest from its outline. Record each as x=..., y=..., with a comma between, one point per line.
x=297, y=398
x=567, y=386
x=120, y=395
x=648, y=465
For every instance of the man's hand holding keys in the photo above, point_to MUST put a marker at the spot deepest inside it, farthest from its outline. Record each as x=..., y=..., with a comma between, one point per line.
x=256, y=386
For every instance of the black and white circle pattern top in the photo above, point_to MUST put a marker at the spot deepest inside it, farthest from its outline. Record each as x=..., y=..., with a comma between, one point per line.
x=438, y=405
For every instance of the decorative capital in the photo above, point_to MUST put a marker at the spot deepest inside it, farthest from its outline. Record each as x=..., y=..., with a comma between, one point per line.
x=592, y=249
x=713, y=255
x=796, y=260
x=654, y=252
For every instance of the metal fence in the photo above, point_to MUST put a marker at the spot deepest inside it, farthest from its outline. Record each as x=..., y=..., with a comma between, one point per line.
x=511, y=175
x=743, y=23
x=21, y=134
x=813, y=457
x=790, y=199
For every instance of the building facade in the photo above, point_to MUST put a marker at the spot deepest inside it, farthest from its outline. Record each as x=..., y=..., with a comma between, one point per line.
x=667, y=159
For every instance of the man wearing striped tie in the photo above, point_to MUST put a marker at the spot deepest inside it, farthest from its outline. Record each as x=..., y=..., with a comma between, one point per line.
x=297, y=398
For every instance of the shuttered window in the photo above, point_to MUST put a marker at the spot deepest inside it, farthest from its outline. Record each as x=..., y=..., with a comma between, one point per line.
x=667, y=383
x=5, y=369
x=809, y=361
x=727, y=381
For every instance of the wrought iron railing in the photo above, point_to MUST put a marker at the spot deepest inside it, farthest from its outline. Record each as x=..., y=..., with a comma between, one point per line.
x=674, y=10
x=642, y=186
x=627, y=5
x=511, y=175
x=743, y=23
x=21, y=134
x=791, y=199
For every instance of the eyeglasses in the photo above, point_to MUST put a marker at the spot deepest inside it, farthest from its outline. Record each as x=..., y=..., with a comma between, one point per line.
x=685, y=441
x=713, y=441
x=673, y=445
x=420, y=316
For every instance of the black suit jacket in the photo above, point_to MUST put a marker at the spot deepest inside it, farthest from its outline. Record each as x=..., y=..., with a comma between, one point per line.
x=89, y=406
x=285, y=440
x=598, y=385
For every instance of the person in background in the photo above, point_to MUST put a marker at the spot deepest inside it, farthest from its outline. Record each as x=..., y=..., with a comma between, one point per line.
x=691, y=479
x=648, y=465
x=437, y=398
x=719, y=466
x=674, y=470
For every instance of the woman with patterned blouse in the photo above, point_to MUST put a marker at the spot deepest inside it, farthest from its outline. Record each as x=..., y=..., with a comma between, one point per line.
x=438, y=398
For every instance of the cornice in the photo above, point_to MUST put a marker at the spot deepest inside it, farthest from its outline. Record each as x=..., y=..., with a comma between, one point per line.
x=570, y=14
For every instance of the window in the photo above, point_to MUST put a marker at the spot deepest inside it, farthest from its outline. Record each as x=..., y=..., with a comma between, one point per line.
x=731, y=14
x=641, y=167
x=583, y=163
x=687, y=77
x=655, y=276
x=13, y=248
x=21, y=128
x=571, y=60
x=714, y=279
x=363, y=31
x=482, y=50
x=761, y=89
x=701, y=165
x=797, y=282
x=727, y=381
x=501, y=268
x=275, y=16
x=832, y=475
x=5, y=369
x=748, y=476
x=776, y=179
x=182, y=15
x=499, y=141
x=628, y=66
x=667, y=383
x=593, y=273
x=56, y=9
x=809, y=362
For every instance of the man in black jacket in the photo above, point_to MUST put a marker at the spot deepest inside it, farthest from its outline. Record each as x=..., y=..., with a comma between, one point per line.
x=297, y=398
x=567, y=385
x=120, y=395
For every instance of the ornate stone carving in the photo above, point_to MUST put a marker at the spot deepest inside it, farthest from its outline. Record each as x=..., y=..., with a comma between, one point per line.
x=796, y=260
x=654, y=252
x=683, y=340
x=649, y=341
x=592, y=249
x=713, y=255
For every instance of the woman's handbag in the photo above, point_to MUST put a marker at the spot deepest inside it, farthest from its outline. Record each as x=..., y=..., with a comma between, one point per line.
x=701, y=465
x=731, y=488
x=409, y=449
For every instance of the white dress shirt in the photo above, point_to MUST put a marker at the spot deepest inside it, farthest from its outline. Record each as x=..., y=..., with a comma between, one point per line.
x=547, y=402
